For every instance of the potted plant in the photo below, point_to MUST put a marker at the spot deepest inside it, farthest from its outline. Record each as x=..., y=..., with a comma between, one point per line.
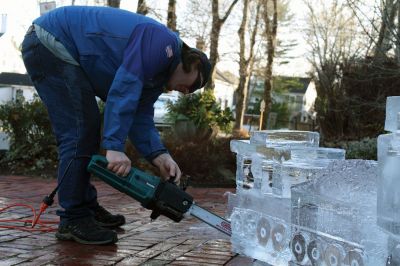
x=199, y=117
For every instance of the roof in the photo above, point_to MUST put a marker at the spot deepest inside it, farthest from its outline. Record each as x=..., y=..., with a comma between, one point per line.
x=226, y=77
x=292, y=83
x=283, y=84
x=8, y=78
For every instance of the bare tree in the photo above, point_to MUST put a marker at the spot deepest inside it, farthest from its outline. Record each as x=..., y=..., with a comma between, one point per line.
x=333, y=40
x=271, y=26
x=171, y=19
x=383, y=29
x=142, y=7
x=217, y=23
x=383, y=43
x=245, y=64
x=195, y=23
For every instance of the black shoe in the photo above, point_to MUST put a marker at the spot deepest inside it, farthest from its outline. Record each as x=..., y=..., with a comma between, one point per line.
x=86, y=231
x=105, y=219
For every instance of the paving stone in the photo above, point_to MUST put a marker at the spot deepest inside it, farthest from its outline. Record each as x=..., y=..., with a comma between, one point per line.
x=194, y=242
x=239, y=261
x=13, y=250
x=201, y=254
x=11, y=261
x=8, y=238
x=20, y=244
x=33, y=254
x=189, y=263
x=129, y=249
x=47, y=259
x=141, y=242
x=131, y=261
x=5, y=254
x=79, y=261
x=154, y=251
x=201, y=259
x=155, y=262
x=174, y=253
x=177, y=239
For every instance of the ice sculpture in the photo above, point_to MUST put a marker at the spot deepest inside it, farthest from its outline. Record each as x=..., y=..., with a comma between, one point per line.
x=389, y=159
x=260, y=212
x=333, y=217
x=388, y=206
x=291, y=138
x=300, y=204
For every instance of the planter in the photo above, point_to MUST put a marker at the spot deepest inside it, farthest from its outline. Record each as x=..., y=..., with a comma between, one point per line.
x=185, y=130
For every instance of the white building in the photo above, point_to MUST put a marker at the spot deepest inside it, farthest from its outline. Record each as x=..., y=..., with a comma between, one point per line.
x=225, y=86
x=14, y=85
x=308, y=111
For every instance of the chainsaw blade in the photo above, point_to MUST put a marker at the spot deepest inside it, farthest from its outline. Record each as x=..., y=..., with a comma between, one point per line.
x=211, y=219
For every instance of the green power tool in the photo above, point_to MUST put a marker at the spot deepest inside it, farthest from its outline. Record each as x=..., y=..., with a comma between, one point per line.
x=162, y=197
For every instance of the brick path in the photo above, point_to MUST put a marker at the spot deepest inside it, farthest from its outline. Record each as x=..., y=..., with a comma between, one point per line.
x=141, y=242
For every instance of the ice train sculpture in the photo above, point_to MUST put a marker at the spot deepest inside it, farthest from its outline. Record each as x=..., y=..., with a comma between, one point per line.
x=300, y=204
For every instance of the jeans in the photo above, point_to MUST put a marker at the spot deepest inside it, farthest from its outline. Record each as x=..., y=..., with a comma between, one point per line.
x=75, y=119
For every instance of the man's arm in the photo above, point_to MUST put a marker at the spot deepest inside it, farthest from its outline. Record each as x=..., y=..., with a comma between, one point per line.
x=146, y=137
x=145, y=56
x=151, y=147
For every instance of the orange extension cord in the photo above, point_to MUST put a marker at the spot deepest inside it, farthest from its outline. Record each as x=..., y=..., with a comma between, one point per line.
x=29, y=224
x=46, y=202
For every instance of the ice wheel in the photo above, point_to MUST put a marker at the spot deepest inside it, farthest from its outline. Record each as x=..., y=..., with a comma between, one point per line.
x=236, y=222
x=315, y=252
x=298, y=246
x=263, y=231
x=278, y=235
x=333, y=255
x=354, y=258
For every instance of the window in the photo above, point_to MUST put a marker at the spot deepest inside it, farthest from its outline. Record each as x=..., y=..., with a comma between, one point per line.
x=19, y=95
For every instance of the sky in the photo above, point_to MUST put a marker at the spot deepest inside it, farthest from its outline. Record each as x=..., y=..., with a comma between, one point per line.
x=20, y=13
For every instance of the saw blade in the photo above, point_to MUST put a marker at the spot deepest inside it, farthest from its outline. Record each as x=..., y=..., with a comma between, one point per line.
x=211, y=219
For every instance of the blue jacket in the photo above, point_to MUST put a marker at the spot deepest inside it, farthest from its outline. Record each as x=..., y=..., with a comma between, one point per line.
x=128, y=59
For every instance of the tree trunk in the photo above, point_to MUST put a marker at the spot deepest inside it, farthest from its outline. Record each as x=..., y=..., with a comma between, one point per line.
x=270, y=31
x=217, y=23
x=245, y=65
x=387, y=25
x=142, y=7
x=241, y=91
x=113, y=3
x=171, y=19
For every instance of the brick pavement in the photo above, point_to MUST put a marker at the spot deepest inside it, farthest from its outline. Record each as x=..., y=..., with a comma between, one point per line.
x=141, y=242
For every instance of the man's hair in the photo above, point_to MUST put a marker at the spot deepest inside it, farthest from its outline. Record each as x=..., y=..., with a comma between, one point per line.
x=190, y=56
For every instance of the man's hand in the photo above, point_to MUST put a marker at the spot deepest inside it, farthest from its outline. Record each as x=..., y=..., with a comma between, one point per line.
x=118, y=162
x=168, y=167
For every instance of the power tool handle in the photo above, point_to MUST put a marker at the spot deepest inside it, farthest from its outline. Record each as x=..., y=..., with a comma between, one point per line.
x=100, y=160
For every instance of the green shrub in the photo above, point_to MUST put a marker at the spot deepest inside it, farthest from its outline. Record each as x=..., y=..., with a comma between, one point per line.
x=365, y=149
x=209, y=162
x=33, y=146
x=203, y=110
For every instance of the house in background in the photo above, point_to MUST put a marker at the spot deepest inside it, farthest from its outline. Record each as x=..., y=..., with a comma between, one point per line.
x=225, y=86
x=308, y=113
x=293, y=92
x=14, y=85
